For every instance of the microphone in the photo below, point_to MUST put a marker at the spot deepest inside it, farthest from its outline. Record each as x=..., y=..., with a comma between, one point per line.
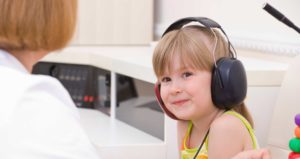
x=275, y=13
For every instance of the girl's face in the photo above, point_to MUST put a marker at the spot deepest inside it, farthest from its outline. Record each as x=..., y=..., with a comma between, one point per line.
x=186, y=91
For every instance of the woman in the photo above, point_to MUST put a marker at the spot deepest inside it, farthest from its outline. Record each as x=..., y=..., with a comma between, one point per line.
x=37, y=116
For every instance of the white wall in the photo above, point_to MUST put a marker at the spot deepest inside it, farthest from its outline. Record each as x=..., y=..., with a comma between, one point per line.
x=114, y=22
x=246, y=23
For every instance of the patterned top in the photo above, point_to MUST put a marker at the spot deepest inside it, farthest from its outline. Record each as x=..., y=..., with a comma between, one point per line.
x=187, y=153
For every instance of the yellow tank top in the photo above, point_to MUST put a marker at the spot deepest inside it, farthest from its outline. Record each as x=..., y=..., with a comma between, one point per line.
x=187, y=153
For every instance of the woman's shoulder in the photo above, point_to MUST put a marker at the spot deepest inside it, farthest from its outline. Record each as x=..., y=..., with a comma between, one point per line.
x=45, y=91
x=34, y=95
x=24, y=81
x=42, y=85
x=15, y=84
x=46, y=83
x=46, y=87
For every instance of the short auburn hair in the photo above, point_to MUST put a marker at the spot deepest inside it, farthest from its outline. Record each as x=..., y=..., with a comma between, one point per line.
x=37, y=24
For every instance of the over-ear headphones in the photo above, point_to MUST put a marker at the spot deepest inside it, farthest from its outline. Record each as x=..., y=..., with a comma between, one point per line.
x=229, y=82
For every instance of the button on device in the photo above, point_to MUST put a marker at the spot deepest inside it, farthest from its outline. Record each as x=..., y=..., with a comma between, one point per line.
x=91, y=98
x=86, y=98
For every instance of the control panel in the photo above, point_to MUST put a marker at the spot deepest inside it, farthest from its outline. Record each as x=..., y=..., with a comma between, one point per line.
x=88, y=86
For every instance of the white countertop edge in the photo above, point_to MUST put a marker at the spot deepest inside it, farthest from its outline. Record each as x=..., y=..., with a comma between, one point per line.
x=269, y=74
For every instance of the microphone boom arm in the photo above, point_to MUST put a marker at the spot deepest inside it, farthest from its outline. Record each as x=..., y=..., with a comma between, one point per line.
x=275, y=13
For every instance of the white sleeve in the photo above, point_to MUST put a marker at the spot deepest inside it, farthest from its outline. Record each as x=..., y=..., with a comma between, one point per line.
x=45, y=124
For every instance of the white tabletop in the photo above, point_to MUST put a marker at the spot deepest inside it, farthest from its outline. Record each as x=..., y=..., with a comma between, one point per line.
x=136, y=62
x=106, y=131
x=114, y=139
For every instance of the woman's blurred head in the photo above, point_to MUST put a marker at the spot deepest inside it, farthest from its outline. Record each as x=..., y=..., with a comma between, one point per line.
x=35, y=25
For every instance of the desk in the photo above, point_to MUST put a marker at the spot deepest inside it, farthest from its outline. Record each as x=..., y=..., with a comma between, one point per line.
x=116, y=139
x=264, y=79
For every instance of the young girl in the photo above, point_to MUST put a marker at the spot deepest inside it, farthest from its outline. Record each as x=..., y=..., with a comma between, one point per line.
x=183, y=62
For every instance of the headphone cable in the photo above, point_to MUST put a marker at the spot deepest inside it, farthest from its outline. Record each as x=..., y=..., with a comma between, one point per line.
x=203, y=141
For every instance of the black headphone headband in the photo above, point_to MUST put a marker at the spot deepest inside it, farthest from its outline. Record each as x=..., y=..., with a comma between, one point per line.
x=208, y=23
x=202, y=20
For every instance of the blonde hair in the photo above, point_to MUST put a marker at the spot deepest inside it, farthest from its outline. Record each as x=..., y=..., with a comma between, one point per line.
x=37, y=24
x=194, y=45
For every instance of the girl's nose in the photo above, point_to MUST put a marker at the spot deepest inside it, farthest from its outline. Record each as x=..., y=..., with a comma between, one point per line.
x=175, y=88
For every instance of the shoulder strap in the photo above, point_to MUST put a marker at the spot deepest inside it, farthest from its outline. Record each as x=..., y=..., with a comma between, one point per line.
x=247, y=124
x=187, y=135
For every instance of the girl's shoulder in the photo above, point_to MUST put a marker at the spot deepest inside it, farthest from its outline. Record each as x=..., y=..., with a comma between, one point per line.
x=228, y=121
x=227, y=129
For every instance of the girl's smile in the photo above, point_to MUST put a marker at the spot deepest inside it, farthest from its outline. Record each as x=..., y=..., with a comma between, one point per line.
x=180, y=102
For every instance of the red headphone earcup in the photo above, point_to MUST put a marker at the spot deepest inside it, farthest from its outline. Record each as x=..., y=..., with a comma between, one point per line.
x=161, y=103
